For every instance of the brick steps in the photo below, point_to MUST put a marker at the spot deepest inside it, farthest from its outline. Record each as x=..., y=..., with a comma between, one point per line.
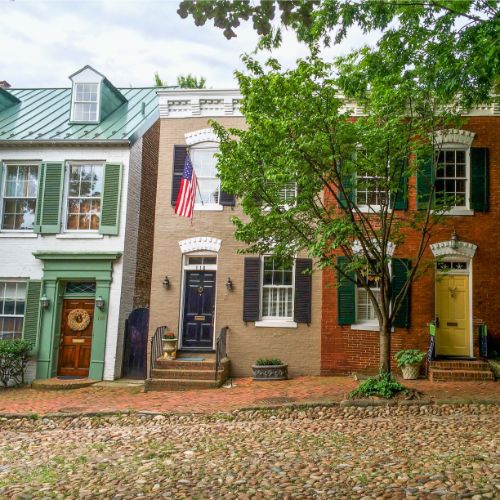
x=458, y=370
x=181, y=375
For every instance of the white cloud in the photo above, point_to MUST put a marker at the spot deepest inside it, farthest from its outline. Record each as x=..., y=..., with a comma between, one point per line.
x=44, y=41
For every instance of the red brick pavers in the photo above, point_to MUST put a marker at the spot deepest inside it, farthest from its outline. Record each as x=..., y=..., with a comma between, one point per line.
x=245, y=393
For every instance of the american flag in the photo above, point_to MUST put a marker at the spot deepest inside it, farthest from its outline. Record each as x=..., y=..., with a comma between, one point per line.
x=187, y=191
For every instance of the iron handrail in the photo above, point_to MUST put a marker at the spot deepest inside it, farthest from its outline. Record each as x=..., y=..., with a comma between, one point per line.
x=220, y=350
x=156, y=347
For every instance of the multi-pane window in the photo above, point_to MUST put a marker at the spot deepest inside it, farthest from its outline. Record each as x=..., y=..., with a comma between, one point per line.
x=85, y=100
x=12, y=303
x=205, y=166
x=277, y=289
x=83, y=209
x=368, y=190
x=288, y=194
x=451, y=178
x=19, y=197
x=365, y=311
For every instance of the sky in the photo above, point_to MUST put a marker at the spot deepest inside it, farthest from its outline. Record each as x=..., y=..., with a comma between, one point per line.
x=42, y=42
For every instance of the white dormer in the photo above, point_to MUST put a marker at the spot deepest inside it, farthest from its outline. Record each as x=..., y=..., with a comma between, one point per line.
x=93, y=97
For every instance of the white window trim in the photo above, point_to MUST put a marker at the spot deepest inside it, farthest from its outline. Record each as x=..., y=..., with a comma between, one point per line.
x=467, y=211
x=286, y=206
x=16, y=233
x=206, y=145
x=275, y=320
x=74, y=101
x=74, y=232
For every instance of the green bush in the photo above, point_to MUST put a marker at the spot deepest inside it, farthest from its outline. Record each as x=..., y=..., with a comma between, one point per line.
x=383, y=386
x=409, y=357
x=268, y=362
x=14, y=355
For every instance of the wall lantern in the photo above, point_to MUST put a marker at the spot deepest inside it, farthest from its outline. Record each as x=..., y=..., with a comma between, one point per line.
x=229, y=284
x=44, y=302
x=166, y=282
x=454, y=240
x=99, y=302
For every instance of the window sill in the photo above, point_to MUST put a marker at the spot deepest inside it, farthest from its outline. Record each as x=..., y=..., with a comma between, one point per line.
x=459, y=211
x=372, y=209
x=275, y=323
x=77, y=236
x=208, y=208
x=18, y=234
x=370, y=327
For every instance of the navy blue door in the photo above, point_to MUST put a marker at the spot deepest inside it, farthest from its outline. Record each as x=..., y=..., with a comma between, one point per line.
x=199, y=301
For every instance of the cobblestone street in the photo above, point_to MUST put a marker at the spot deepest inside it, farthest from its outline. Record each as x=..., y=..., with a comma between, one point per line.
x=433, y=451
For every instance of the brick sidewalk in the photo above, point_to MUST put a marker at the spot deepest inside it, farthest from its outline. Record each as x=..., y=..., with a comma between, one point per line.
x=245, y=393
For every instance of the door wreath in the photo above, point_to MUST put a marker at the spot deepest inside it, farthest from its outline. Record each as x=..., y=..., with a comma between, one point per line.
x=78, y=320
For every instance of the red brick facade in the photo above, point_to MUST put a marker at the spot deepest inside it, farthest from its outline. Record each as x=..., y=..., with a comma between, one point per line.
x=344, y=350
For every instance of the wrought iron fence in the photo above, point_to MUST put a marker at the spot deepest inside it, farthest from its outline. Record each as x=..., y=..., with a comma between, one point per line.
x=156, y=347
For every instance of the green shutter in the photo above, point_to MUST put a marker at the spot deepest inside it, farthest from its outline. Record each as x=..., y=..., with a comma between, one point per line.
x=110, y=210
x=479, y=179
x=37, y=226
x=346, y=296
x=425, y=182
x=349, y=183
x=400, y=268
x=32, y=312
x=1, y=186
x=48, y=211
x=399, y=199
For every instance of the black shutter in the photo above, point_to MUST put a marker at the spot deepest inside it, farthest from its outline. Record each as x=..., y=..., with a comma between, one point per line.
x=303, y=290
x=251, y=289
x=400, y=269
x=226, y=199
x=479, y=179
x=180, y=153
x=346, y=295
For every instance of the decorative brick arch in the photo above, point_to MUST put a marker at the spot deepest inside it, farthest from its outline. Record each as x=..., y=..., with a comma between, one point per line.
x=445, y=249
x=202, y=135
x=454, y=136
x=200, y=243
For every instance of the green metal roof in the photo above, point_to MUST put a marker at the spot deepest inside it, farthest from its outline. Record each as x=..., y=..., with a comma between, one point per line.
x=43, y=116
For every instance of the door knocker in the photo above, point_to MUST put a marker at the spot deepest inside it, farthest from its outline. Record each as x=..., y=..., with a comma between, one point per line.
x=453, y=292
x=200, y=290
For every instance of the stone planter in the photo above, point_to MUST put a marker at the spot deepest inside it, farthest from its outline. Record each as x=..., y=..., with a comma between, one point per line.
x=270, y=372
x=169, y=348
x=411, y=372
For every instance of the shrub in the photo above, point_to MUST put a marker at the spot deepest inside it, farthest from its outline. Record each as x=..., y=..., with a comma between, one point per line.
x=14, y=356
x=409, y=357
x=383, y=385
x=268, y=362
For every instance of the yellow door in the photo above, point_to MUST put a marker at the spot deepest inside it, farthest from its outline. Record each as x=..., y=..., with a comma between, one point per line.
x=453, y=333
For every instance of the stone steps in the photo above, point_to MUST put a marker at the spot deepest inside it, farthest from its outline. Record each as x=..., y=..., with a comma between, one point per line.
x=180, y=384
x=460, y=370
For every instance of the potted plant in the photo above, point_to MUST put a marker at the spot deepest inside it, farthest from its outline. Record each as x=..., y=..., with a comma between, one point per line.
x=169, y=342
x=270, y=369
x=409, y=361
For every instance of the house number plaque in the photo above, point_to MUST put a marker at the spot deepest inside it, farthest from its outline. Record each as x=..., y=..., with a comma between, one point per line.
x=199, y=318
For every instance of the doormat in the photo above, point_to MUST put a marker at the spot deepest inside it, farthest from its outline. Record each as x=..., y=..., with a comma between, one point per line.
x=70, y=377
x=191, y=359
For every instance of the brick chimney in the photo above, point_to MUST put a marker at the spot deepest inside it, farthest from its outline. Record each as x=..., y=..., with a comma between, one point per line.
x=4, y=84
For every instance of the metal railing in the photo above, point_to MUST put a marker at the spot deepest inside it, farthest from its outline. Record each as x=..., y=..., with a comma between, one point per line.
x=156, y=347
x=220, y=350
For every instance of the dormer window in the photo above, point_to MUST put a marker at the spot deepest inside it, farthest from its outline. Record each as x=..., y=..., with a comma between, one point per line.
x=85, y=102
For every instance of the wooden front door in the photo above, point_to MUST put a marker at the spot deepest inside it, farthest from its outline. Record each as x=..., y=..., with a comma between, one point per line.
x=453, y=332
x=199, y=302
x=77, y=323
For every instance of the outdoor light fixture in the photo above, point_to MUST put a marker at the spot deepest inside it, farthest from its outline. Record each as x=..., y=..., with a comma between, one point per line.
x=99, y=302
x=166, y=282
x=44, y=302
x=454, y=240
x=229, y=284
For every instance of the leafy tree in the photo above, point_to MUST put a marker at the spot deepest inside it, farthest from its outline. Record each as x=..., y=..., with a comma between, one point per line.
x=302, y=131
x=454, y=43
x=183, y=81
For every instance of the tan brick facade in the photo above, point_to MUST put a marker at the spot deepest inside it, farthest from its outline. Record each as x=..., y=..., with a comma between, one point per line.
x=299, y=347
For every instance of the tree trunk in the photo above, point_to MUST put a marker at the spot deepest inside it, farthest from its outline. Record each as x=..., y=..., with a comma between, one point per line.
x=385, y=349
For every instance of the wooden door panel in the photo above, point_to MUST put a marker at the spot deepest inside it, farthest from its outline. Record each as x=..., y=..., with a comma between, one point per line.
x=75, y=346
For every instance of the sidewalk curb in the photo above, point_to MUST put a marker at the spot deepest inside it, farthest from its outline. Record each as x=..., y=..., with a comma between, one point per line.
x=360, y=403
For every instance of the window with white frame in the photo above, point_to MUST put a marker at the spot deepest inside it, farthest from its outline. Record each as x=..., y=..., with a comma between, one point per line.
x=288, y=194
x=368, y=190
x=277, y=289
x=451, y=178
x=19, y=196
x=85, y=102
x=83, y=196
x=365, y=310
x=12, y=304
x=205, y=167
